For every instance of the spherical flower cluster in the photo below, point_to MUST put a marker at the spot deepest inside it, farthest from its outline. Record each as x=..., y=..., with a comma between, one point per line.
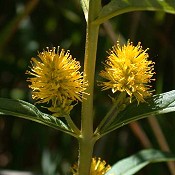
x=128, y=69
x=56, y=80
x=98, y=167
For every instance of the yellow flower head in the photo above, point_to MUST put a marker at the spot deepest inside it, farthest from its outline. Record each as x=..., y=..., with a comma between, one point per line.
x=98, y=167
x=127, y=69
x=56, y=80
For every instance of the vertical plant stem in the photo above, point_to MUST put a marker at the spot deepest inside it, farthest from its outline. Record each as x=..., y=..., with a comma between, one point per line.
x=86, y=141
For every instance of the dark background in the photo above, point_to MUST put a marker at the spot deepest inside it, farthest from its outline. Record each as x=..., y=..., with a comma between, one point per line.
x=27, y=27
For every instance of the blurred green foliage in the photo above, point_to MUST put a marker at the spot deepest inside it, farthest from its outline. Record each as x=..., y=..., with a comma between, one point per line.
x=27, y=27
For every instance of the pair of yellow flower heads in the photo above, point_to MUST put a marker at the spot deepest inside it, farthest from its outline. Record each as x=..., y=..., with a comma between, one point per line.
x=56, y=78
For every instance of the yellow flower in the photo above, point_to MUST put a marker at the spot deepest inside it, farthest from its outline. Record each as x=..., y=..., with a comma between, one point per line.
x=56, y=80
x=98, y=167
x=127, y=69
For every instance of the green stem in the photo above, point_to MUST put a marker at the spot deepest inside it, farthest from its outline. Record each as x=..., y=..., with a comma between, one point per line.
x=117, y=107
x=73, y=126
x=86, y=140
x=107, y=119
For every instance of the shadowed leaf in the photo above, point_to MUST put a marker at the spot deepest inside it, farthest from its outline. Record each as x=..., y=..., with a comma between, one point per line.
x=28, y=111
x=134, y=163
x=157, y=104
x=117, y=7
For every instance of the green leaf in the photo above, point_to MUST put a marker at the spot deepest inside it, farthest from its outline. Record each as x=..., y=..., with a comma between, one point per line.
x=117, y=7
x=136, y=162
x=28, y=111
x=157, y=104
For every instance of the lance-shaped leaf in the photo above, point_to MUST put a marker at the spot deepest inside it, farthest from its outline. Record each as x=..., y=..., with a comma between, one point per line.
x=136, y=162
x=28, y=111
x=85, y=7
x=117, y=7
x=91, y=9
x=157, y=104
